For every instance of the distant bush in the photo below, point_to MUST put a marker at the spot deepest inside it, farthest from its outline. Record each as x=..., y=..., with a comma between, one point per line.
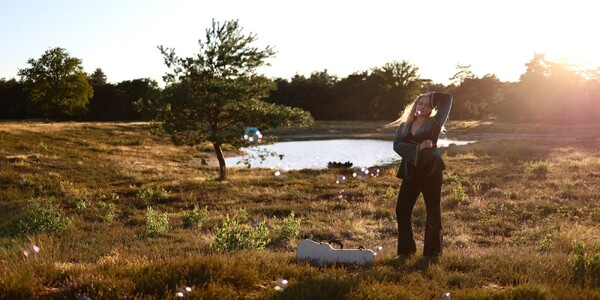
x=42, y=146
x=156, y=223
x=43, y=215
x=339, y=165
x=390, y=194
x=457, y=196
x=585, y=269
x=578, y=262
x=145, y=194
x=107, y=211
x=153, y=194
x=289, y=229
x=195, y=216
x=594, y=266
x=233, y=235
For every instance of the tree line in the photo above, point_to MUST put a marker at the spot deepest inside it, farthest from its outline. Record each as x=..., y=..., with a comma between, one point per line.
x=56, y=87
x=548, y=92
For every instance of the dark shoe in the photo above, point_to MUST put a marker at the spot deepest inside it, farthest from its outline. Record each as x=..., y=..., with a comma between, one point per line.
x=430, y=259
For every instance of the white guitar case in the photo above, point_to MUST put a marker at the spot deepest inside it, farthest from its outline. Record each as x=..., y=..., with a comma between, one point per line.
x=323, y=254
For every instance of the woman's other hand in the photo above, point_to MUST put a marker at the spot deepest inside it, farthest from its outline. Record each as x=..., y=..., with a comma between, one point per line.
x=425, y=144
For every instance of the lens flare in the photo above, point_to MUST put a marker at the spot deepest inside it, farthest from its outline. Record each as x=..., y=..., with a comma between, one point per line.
x=252, y=135
x=183, y=292
x=32, y=250
x=281, y=171
x=362, y=173
x=281, y=284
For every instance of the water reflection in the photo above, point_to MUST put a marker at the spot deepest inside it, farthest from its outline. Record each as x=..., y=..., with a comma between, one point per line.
x=316, y=154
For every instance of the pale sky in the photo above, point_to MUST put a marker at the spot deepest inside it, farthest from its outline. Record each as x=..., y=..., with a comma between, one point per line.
x=121, y=36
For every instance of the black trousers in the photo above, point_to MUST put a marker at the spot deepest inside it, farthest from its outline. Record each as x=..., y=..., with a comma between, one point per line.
x=430, y=187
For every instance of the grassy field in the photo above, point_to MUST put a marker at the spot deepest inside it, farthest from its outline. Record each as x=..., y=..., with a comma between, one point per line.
x=109, y=211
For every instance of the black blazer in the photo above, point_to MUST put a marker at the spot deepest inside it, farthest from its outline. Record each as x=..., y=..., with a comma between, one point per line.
x=416, y=163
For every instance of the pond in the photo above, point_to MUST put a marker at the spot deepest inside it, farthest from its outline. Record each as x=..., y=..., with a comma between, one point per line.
x=297, y=155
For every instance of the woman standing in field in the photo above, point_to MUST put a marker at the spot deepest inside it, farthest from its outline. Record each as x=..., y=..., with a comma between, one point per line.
x=421, y=169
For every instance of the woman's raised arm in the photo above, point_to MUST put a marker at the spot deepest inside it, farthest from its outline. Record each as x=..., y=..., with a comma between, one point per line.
x=443, y=103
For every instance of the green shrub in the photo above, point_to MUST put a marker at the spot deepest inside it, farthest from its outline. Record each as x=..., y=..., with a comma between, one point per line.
x=156, y=223
x=195, y=216
x=82, y=204
x=111, y=197
x=145, y=194
x=578, y=262
x=232, y=235
x=43, y=216
x=457, y=196
x=42, y=146
x=162, y=194
x=106, y=211
x=593, y=265
x=450, y=177
x=289, y=229
x=390, y=194
x=585, y=269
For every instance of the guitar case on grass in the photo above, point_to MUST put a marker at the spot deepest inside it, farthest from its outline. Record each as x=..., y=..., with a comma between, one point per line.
x=324, y=254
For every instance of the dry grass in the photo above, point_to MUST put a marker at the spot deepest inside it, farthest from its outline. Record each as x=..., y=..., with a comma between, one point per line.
x=514, y=203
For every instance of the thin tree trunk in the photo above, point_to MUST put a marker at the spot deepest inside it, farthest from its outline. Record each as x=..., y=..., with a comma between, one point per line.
x=221, y=159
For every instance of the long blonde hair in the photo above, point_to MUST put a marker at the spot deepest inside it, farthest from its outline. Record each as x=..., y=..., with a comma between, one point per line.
x=407, y=116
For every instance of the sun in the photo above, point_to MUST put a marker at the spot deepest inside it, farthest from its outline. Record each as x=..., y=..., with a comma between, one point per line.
x=574, y=45
x=565, y=32
x=577, y=60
